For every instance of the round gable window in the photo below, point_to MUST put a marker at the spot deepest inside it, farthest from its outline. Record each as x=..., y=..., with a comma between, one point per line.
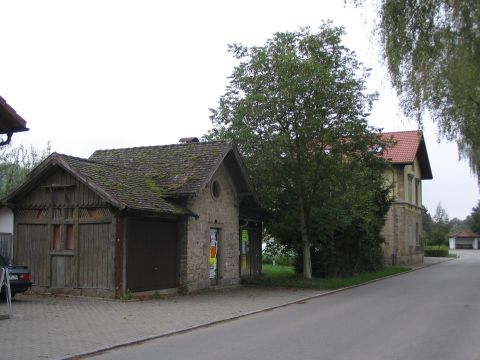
x=216, y=189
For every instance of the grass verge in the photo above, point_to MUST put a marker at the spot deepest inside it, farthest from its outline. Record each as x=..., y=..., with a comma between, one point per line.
x=284, y=276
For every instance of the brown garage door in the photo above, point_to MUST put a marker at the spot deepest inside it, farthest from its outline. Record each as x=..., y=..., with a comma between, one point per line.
x=152, y=260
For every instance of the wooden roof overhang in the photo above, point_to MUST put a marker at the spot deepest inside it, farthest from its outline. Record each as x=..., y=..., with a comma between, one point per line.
x=10, y=122
x=423, y=160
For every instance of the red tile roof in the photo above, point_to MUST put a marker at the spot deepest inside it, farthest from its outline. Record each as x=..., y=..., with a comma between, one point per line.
x=404, y=150
x=465, y=234
x=408, y=145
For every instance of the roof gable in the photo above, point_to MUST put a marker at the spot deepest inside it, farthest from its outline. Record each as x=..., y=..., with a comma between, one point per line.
x=408, y=146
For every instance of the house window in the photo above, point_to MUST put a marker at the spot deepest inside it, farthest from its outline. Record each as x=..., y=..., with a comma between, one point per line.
x=410, y=188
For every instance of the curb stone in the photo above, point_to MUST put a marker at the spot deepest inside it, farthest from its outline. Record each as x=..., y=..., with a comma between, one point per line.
x=232, y=318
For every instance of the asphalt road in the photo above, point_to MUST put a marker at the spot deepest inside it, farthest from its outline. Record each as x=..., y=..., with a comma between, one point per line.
x=432, y=313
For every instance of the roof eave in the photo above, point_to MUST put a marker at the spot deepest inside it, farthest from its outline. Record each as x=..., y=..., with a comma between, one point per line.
x=185, y=212
x=15, y=123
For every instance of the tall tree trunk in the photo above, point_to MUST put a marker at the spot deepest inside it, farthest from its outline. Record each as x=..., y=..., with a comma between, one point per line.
x=307, y=260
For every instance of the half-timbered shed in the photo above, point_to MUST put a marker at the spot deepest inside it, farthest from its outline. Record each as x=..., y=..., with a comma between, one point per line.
x=138, y=219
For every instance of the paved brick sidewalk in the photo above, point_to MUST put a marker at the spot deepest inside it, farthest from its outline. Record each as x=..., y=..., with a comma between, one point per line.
x=55, y=328
x=60, y=327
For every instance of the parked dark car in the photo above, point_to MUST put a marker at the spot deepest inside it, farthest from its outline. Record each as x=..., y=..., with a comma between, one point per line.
x=20, y=277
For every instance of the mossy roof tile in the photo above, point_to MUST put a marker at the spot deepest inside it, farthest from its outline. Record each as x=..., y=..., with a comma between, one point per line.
x=176, y=170
x=127, y=186
x=150, y=178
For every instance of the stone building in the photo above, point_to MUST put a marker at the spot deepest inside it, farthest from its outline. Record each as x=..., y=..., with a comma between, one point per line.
x=409, y=166
x=140, y=219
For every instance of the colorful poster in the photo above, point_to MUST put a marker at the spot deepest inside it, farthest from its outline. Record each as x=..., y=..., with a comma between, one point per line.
x=244, y=241
x=244, y=249
x=212, y=261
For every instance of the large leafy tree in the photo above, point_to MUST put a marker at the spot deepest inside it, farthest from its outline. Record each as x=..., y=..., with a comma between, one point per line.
x=16, y=162
x=426, y=223
x=440, y=227
x=474, y=219
x=432, y=51
x=297, y=109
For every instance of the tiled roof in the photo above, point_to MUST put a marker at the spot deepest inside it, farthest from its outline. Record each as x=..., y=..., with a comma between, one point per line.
x=127, y=187
x=150, y=177
x=407, y=145
x=465, y=234
x=178, y=170
x=153, y=178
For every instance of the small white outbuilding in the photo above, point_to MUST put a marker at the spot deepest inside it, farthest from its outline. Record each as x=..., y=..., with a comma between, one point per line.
x=464, y=240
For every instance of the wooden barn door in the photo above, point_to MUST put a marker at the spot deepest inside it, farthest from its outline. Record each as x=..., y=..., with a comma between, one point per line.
x=152, y=260
x=32, y=248
x=96, y=256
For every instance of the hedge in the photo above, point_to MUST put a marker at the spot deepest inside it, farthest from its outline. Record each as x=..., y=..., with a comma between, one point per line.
x=436, y=251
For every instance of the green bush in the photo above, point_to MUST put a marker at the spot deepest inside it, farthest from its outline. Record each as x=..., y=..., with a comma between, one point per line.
x=436, y=251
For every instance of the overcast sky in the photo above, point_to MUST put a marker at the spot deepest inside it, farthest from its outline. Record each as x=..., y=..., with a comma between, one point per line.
x=90, y=75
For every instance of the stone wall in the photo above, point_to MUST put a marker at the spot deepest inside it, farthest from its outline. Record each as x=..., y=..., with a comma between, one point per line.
x=403, y=226
x=220, y=213
x=402, y=233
